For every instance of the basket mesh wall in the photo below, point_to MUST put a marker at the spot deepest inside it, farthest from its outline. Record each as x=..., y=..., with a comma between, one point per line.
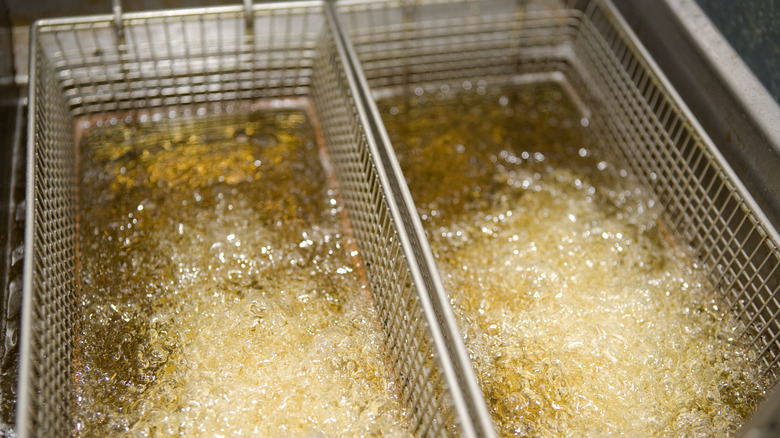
x=173, y=63
x=705, y=204
x=176, y=58
x=409, y=341
x=585, y=46
x=49, y=319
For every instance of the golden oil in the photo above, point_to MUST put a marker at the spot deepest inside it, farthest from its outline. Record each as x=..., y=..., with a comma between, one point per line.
x=580, y=313
x=218, y=297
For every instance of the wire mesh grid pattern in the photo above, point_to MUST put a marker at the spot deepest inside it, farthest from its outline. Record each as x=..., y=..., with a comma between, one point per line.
x=450, y=42
x=145, y=66
x=704, y=203
x=175, y=58
x=50, y=268
x=584, y=45
x=372, y=226
x=409, y=342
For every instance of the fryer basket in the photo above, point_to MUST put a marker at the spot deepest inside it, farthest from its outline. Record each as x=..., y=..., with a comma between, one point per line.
x=586, y=47
x=146, y=66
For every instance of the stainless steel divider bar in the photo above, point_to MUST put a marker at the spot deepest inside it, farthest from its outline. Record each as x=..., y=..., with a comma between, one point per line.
x=459, y=371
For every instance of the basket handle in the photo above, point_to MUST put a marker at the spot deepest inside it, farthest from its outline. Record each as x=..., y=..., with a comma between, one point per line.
x=250, y=22
x=116, y=7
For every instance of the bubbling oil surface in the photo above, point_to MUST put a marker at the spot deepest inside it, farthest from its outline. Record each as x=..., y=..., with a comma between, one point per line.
x=581, y=316
x=218, y=296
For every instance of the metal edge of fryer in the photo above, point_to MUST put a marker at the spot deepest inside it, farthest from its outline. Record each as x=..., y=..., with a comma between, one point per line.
x=459, y=372
x=11, y=226
x=23, y=392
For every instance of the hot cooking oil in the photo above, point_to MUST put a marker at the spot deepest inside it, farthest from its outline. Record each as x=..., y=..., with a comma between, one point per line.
x=219, y=294
x=580, y=313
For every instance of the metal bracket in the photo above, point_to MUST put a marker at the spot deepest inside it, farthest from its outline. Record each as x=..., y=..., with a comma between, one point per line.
x=116, y=6
x=250, y=17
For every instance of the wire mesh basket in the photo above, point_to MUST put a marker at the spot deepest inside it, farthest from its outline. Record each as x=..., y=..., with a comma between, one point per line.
x=586, y=47
x=177, y=63
x=187, y=62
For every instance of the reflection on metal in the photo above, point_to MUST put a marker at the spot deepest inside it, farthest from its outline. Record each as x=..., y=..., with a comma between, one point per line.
x=751, y=28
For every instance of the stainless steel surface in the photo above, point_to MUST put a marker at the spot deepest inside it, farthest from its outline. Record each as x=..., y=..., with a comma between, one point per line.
x=751, y=29
x=174, y=63
x=765, y=423
x=588, y=48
